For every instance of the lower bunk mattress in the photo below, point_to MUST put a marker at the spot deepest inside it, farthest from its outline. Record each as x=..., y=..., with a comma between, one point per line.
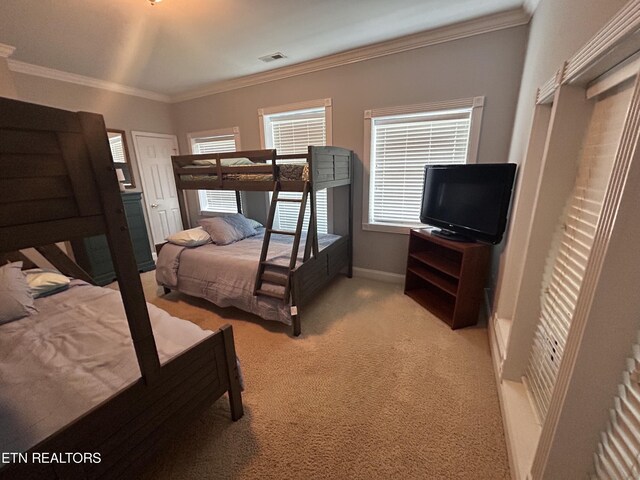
x=73, y=354
x=225, y=275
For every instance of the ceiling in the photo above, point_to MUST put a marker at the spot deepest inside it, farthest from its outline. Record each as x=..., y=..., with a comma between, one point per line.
x=180, y=45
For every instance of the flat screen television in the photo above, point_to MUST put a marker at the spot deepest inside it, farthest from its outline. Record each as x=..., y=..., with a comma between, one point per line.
x=468, y=202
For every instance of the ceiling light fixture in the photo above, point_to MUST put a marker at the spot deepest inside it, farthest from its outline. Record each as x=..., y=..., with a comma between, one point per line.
x=153, y=2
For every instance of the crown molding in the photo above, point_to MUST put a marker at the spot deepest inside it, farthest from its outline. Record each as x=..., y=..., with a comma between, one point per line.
x=50, y=73
x=478, y=26
x=616, y=41
x=6, y=50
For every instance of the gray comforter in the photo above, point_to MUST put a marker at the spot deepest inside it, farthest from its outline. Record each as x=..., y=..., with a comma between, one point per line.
x=225, y=275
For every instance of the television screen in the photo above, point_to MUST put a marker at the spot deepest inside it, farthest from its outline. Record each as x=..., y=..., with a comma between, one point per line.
x=469, y=200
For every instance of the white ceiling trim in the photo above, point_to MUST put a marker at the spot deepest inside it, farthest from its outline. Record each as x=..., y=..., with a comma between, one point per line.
x=486, y=24
x=6, y=50
x=38, y=71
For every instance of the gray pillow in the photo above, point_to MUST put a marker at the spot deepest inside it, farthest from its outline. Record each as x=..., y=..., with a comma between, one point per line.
x=15, y=294
x=254, y=223
x=228, y=229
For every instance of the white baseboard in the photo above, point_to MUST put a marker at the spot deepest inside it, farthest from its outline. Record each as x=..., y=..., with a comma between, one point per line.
x=378, y=275
x=521, y=428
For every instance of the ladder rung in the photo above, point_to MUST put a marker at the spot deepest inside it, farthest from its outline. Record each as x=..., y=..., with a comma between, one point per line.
x=276, y=265
x=274, y=278
x=281, y=232
x=297, y=200
x=267, y=293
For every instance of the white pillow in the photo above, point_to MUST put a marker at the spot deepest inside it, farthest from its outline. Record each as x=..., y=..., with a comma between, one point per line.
x=193, y=237
x=44, y=282
x=16, y=300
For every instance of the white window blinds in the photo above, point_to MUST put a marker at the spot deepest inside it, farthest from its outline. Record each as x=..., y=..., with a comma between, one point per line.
x=292, y=133
x=568, y=257
x=214, y=144
x=117, y=149
x=401, y=146
x=217, y=201
x=618, y=453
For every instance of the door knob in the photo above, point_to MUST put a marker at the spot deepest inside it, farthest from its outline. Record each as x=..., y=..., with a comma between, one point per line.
x=154, y=205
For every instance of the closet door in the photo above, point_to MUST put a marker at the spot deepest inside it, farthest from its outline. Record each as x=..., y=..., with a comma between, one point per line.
x=569, y=254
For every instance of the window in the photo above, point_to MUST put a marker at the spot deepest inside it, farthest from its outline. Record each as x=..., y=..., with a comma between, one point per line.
x=216, y=141
x=399, y=143
x=291, y=129
x=120, y=154
x=568, y=259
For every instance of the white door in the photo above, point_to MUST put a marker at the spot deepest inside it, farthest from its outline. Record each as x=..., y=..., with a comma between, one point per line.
x=161, y=200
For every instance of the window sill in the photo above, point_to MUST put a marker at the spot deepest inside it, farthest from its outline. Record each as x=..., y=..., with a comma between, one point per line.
x=385, y=228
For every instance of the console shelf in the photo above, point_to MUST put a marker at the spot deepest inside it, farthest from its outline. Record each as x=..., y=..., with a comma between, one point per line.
x=447, y=277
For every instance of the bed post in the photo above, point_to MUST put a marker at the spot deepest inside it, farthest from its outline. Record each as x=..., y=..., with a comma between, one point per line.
x=235, y=395
x=350, y=267
x=120, y=246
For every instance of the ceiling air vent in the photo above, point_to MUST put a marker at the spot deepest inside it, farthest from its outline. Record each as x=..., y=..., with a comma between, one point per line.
x=272, y=57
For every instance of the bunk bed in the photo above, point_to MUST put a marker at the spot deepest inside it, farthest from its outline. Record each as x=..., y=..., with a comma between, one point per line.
x=282, y=283
x=57, y=182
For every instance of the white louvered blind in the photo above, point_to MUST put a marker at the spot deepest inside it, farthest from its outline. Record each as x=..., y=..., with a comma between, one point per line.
x=119, y=157
x=292, y=133
x=401, y=146
x=617, y=456
x=117, y=149
x=569, y=254
x=219, y=201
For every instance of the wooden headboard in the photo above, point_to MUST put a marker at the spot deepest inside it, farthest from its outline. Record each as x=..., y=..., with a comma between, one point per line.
x=58, y=182
x=55, y=174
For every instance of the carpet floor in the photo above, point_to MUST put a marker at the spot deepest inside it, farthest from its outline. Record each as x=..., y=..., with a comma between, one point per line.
x=375, y=388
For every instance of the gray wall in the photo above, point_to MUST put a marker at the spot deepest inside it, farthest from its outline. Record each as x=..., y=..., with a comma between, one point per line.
x=489, y=64
x=122, y=112
x=558, y=29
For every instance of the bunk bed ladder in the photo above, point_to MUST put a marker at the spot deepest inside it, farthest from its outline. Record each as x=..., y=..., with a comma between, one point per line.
x=280, y=274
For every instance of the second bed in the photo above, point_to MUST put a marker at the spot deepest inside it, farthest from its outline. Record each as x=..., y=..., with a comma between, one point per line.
x=225, y=275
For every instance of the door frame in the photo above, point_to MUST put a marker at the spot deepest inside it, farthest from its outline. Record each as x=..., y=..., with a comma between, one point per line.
x=135, y=134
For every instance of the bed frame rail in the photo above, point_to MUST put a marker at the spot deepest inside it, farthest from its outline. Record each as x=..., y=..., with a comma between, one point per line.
x=129, y=428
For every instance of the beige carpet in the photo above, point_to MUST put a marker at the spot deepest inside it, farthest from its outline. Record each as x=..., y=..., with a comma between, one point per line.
x=375, y=388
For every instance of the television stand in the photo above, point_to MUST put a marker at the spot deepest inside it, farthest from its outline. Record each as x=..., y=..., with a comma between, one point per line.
x=450, y=235
x=447, y=277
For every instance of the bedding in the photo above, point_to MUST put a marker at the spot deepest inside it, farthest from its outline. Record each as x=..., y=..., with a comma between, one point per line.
x=74, y=353
x=225, y=275
x=286, y=172
x=16, y=300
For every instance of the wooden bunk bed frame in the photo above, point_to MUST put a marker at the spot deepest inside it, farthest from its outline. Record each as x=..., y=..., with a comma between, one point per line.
x=328, y=167
x=57, y=182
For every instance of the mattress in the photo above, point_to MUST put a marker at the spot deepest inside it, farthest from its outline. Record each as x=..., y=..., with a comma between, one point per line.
x=286, y=172
x=73, y=354
x=225, y=275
